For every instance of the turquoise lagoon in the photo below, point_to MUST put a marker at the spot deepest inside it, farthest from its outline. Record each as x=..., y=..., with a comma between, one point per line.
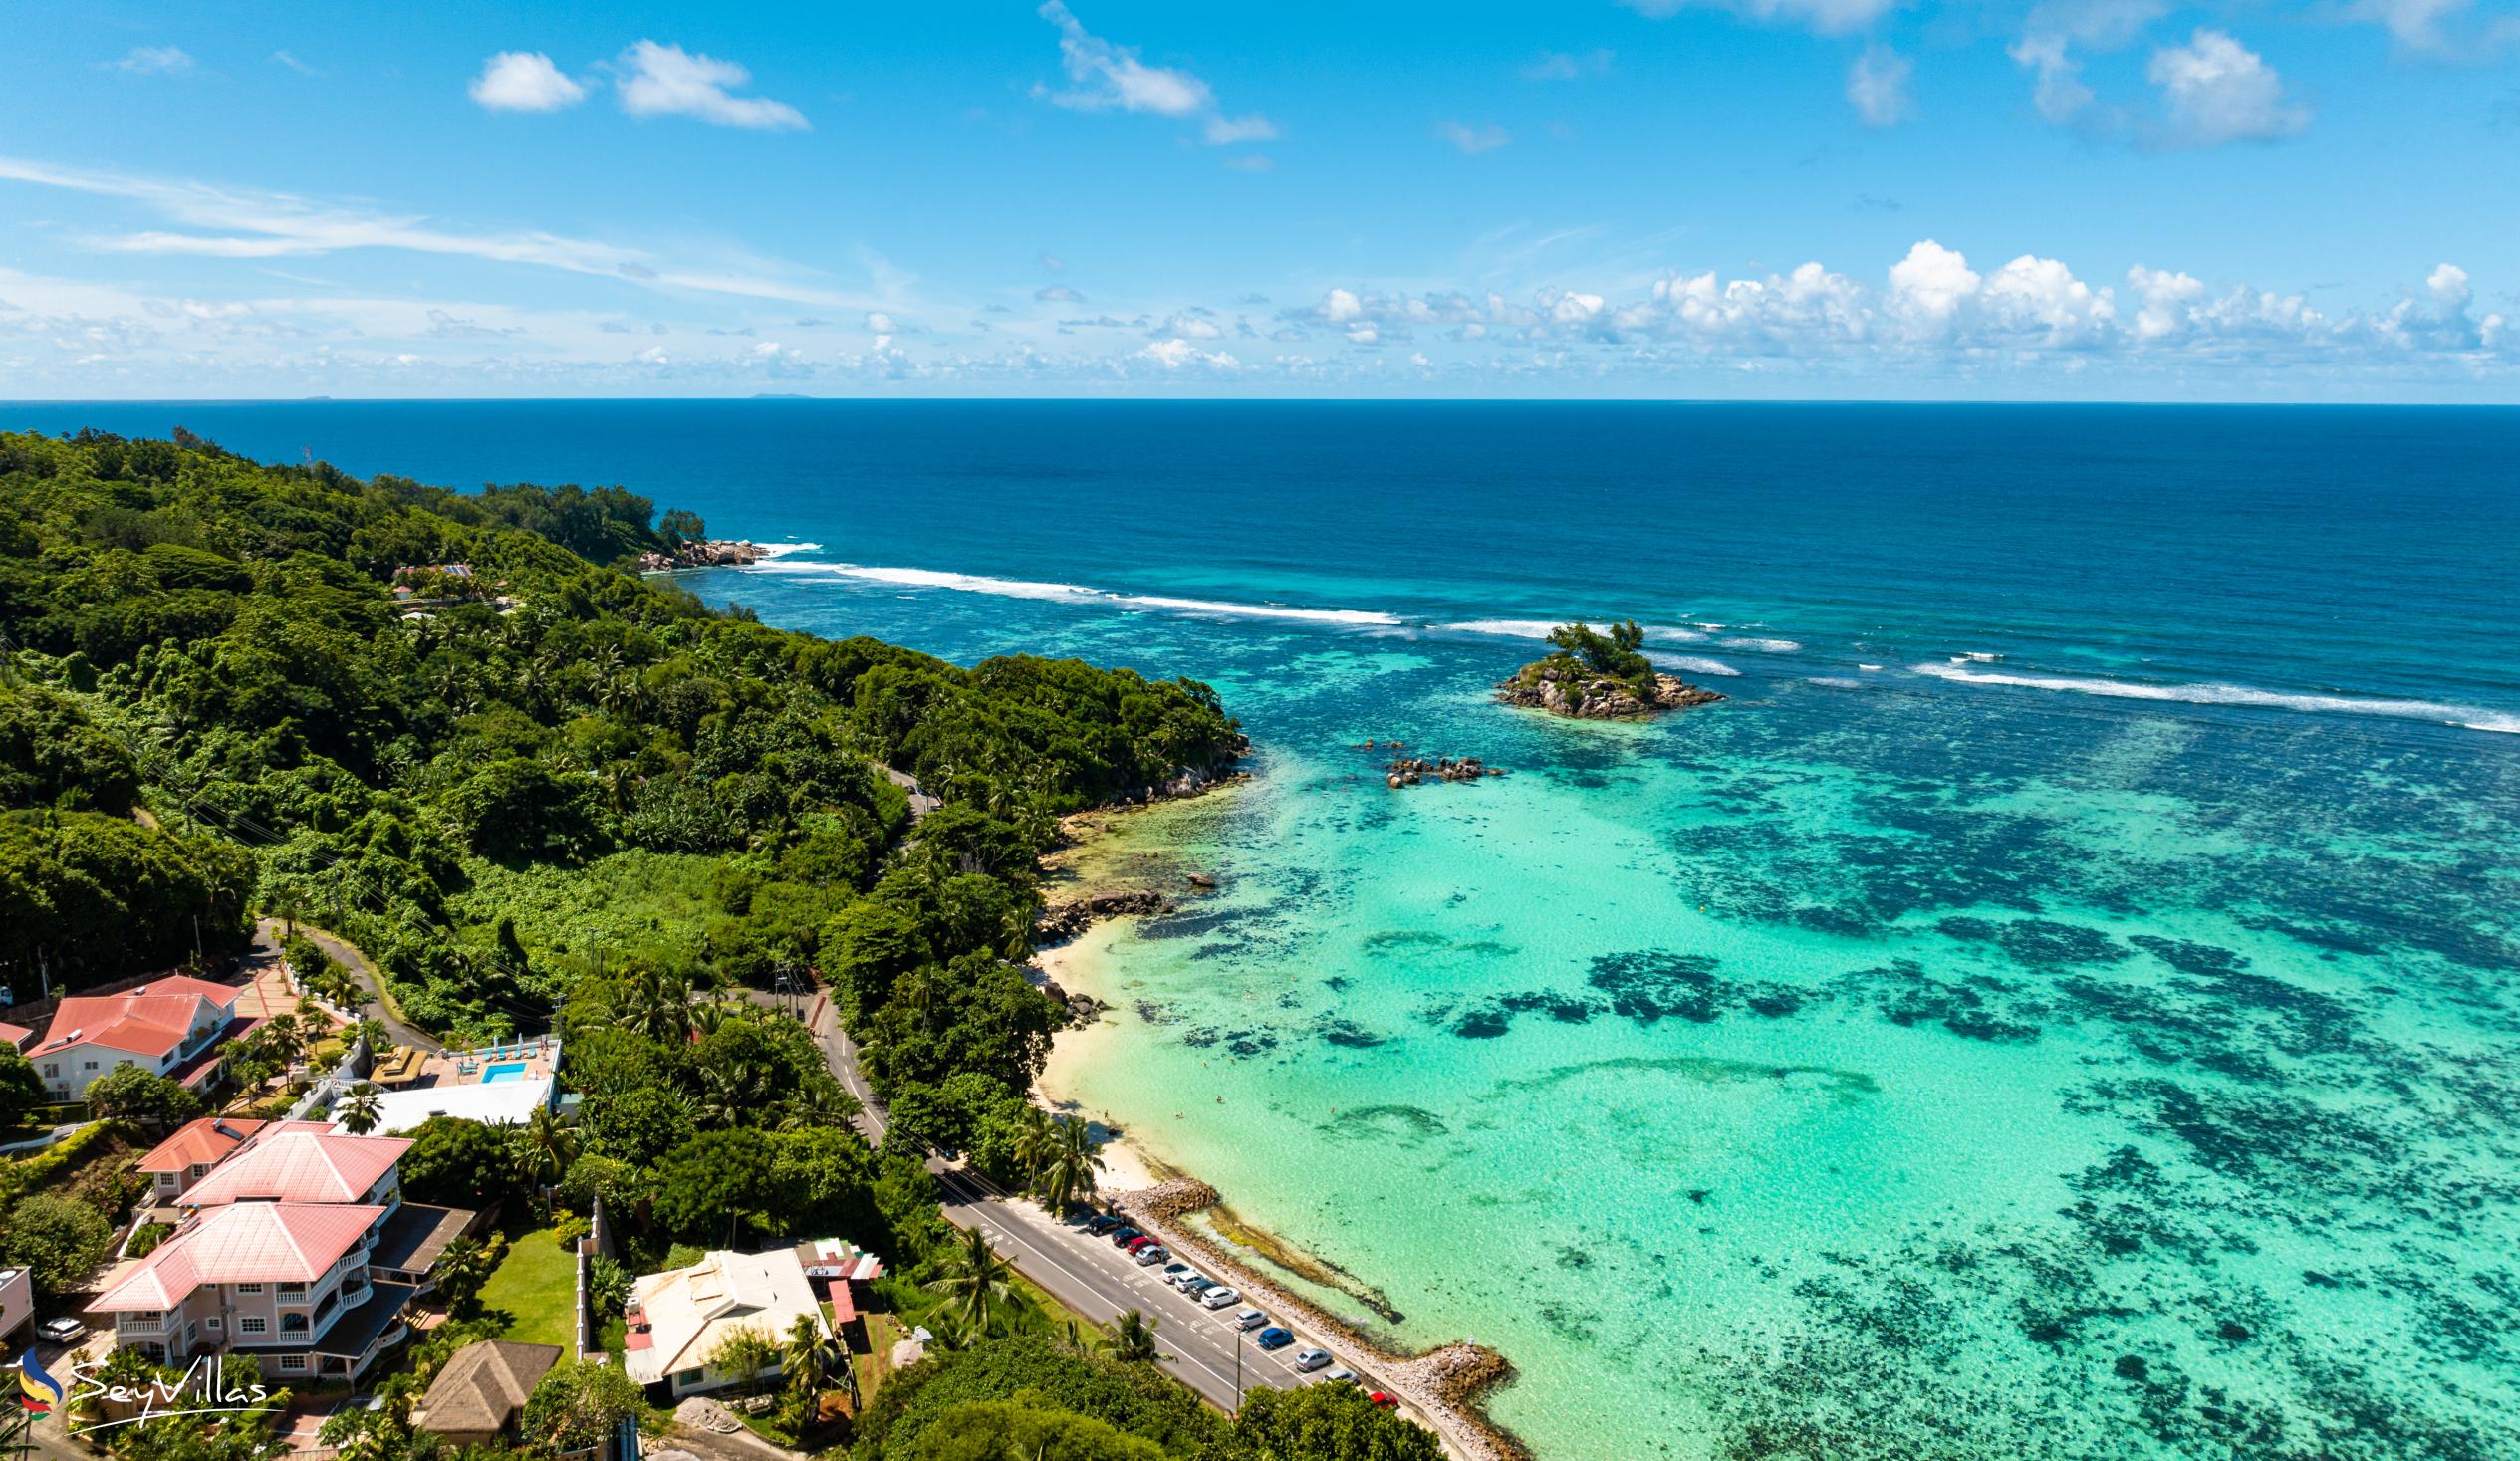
x=2062, y=1005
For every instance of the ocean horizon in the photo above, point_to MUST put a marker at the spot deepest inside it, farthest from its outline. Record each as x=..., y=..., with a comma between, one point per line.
x=2059, y=1005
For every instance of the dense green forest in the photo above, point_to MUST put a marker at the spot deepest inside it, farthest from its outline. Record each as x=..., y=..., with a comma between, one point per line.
x=544, y=793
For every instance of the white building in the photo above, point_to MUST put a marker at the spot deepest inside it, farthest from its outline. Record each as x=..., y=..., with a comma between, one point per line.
x=678, y=1318
x=491, y=1102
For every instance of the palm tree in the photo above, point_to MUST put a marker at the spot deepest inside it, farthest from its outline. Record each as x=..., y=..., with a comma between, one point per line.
x=1071, y=1175
x=361, y=1112
x=546, y=1147
x=726, y=1095
x=979, y=1279
x=812, y=1355
x=657, y=1006
x=1133, y=1339
x=1035, y=1145
x=817, y=1104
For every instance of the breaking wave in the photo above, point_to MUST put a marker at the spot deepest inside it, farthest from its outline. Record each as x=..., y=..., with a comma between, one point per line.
x=1079, y=593
x=2466, y=716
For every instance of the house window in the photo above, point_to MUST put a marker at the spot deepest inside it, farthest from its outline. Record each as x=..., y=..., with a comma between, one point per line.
x=293, y=1364
x=217, y=1321
x=253, y=1323
x=249, y=1287
x=293, y=1323
x=52, y=1068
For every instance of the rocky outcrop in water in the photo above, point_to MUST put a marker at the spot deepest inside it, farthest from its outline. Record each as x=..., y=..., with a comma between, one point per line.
x=1062, y=921
x=1410, y=771
x=1560, y=690
x=715, y=552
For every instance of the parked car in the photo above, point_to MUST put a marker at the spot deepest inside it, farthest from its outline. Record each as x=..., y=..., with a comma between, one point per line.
x=1197, y=1283
x=1343, y=1376
x=1141, y=1241
x=1103, y=1224
x=1121, y=1236
x=1174, y=1272
x=1379, y=1399
x=1152, y=1254
x=1188, y=1276
x=1219, y=1297
x=1250, y=1318
x=1274, y=1337
x=63, y=1330
x=1311, y=1360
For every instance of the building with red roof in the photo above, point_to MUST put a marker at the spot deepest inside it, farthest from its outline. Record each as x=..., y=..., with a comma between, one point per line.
x=169, y=1027
x=16, y=1036
x=185, y=1158
x=286, y=1282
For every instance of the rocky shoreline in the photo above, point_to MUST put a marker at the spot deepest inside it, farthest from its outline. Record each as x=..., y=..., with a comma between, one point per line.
x=711, y=553
x=1563, y=691
x=1448, y=1385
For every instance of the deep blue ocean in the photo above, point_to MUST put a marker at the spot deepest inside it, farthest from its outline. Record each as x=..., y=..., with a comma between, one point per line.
x=2065, y=1004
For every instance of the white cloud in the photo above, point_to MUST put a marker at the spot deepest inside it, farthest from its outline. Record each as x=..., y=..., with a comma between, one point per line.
x=2169, y=300
x=290, y=61
x=1473, y=140
x=2414, y=24
x=154, y=60
x=2448, y=285
x=1878, y=85
x=1933, y=281
x=1105, y=77
x=1570, y=65
x=1179, y=355
x=1828, y=17
x=261, y=225
x=2060, y=93
x=661, y=80
x=879, y=322
x=525, y=80
x=1058, y=294
x=2035, y=294
x=2218, y=91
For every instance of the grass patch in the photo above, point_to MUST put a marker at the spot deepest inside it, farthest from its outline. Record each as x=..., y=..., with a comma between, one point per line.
x=533, y=1292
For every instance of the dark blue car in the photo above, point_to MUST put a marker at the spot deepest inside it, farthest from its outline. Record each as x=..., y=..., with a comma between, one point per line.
x=1103, y=1224
x=1121, y=1236
x=1274, y=1337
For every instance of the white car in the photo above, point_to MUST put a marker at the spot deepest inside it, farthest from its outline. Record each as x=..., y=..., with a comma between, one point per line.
x=61, y=1331
x=1251, y=1318
x=1219, y=1298
x=1185, y=1278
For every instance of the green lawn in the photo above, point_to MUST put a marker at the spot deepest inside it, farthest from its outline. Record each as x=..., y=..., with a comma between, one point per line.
x=534, y=1292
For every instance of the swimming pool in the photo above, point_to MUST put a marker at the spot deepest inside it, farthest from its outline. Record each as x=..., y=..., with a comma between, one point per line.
x=505, y=1071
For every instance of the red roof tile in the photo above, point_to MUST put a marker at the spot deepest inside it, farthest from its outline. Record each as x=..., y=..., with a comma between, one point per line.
x=199, y=1144
x=150, y=1020
x=249, y=1243
x=299, y=1165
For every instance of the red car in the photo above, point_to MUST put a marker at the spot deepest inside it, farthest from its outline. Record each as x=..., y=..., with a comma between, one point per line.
x=1138, y=1242
x=1386, y=1402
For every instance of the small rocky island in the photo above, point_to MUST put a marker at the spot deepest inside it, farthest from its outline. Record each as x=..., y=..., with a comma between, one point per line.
x=1597, y=676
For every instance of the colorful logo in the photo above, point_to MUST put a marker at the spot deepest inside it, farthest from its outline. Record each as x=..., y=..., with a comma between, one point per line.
x=38, y=1392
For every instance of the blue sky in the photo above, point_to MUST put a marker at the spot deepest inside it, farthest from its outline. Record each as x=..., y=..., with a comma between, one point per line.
x=2060, y=199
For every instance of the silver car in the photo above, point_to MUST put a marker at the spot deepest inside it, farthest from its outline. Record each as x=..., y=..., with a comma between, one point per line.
x=1251, y=1318
x=1311, y=1360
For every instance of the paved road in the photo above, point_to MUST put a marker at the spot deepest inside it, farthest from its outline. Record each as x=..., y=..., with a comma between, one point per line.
x=1200, y=1347
x=268, y=934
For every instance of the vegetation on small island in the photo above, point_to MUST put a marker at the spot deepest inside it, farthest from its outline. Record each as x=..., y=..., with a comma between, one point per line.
x=1599, y=676
x=543, y=794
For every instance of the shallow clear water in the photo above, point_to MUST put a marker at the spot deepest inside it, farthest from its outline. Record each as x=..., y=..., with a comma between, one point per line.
x=2062, y=1004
